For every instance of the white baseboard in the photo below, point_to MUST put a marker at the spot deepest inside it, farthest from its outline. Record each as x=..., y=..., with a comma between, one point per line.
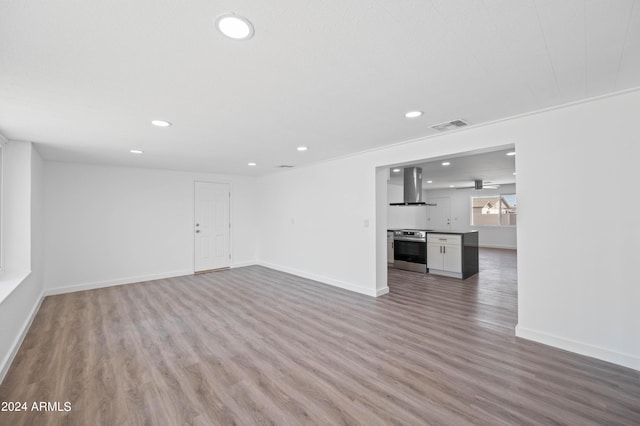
x=324, y=280
x=119, y=281
x=243, y=264
x=382, y=291
x=8, y=359
x=604, y=354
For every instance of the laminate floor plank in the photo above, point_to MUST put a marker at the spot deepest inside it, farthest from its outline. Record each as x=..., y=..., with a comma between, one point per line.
x=256, y=346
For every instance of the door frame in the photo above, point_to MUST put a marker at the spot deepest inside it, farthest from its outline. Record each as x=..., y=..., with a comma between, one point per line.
x=193, y=220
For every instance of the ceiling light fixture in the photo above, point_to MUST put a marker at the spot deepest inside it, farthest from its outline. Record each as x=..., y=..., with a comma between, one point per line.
x=446, y=163
x=161, y=123
x=413, y=114
x=429, y=181
x=302, y=148
x=136, y=151
x=396, y=170
x=251, y=164
x=234, y=26
x=511, y=153
x=452, y=186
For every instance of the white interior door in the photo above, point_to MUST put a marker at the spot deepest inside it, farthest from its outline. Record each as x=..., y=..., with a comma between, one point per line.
x=439, y=216
x=211, y=226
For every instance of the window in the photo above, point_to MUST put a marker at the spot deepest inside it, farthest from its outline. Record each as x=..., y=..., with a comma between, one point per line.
x=495, y=210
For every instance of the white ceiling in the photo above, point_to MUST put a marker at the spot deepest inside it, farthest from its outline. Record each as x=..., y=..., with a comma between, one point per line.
x=494, y=167
x=83, y=79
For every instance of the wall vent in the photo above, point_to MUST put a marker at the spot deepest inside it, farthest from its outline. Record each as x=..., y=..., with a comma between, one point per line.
x=450, y=125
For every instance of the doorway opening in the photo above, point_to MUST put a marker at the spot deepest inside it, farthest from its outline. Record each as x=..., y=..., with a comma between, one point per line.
x=450, y=184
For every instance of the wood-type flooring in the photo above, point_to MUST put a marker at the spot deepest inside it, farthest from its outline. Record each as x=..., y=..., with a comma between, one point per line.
x=256, y=346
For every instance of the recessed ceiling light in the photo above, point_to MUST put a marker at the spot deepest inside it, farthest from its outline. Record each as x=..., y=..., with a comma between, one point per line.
x=452, y=186
x=136, y=151
x=514, y=173
x=302, y=148
x=511, y=153
x=251, y=164
x=413, y=114
x=161, y=123
x=234, y=26
x=446, y=163
x=429, y=181
x=396, y=170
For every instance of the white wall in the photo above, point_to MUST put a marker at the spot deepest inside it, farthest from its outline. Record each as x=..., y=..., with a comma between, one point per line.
x=114, y=225
x=16, y=253
x=489, y=236
x=577, y=279
x=23, y=249
x=577, y=276
x=319, y=222
x=37, y=219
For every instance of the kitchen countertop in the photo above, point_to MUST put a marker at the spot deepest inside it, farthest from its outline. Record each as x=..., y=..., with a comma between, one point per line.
x=409, y=229
x=435, y=231
x=452, y=232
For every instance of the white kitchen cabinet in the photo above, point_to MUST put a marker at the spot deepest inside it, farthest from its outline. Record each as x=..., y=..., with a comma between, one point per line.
x=444, y=253
x=452, y=259
x=435, y=257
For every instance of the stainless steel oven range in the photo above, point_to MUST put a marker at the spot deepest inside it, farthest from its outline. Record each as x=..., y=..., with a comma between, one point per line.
x=410, y=250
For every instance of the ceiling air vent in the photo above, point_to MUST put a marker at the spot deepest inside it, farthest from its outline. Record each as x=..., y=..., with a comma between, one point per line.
x=284, y=166
x=450, y=125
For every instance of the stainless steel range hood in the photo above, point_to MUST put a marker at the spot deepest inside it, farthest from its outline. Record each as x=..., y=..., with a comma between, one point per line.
x=412, y=188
